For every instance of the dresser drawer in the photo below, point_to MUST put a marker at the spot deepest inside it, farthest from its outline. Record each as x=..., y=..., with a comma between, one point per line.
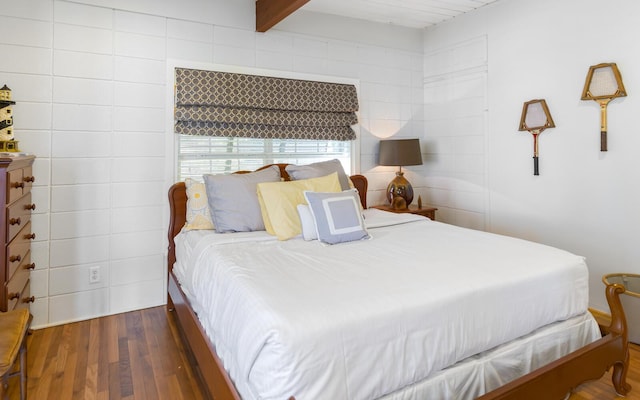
x=18, y=215
x=15, y=286
x=25, y=298
x=19, y=182
x=18, y=250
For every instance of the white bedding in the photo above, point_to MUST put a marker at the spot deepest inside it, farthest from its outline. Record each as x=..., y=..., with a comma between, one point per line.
x=368, y=319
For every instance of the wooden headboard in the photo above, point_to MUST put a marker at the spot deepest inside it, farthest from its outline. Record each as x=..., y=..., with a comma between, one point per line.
x=178, y=205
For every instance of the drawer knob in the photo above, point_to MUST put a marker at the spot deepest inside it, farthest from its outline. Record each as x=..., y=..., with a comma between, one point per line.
x=31, y=236
x=30, y=206
x=13, y=296
x=15, y=258
x=17, y=185
x=29, y=179
x=30, y=266
x=29, y=299
x=15, y=221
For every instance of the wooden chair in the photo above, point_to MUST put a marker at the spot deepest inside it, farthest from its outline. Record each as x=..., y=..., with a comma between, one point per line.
x=14, y=326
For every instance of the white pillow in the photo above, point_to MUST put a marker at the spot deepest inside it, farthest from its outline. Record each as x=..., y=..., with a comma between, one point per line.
x=306, y=220
x=337, y=216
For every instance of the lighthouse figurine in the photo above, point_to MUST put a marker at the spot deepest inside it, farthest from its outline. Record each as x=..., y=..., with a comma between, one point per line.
x=7, y=143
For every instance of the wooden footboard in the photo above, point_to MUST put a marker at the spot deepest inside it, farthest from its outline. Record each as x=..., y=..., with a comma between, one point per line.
x=560, y=377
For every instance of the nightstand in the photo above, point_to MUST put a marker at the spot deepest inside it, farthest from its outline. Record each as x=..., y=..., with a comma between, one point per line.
x=429, y=212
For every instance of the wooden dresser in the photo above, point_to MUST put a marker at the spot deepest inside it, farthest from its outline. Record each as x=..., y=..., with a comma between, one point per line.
x=16, y=179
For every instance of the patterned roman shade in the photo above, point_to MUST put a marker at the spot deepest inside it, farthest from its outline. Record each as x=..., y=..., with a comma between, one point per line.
x=213, y=103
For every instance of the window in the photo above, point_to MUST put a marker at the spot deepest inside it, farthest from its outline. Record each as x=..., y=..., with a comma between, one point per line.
x=198, y=155
x=228, y=120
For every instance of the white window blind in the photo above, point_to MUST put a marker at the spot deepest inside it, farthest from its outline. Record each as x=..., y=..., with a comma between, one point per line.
x=198, y=155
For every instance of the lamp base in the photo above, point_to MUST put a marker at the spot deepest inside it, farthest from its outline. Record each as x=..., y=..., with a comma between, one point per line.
x=399, y=187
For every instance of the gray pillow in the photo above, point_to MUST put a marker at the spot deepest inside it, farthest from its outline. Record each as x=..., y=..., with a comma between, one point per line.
x=233, y=199
x=316, y=170
x=337, y=216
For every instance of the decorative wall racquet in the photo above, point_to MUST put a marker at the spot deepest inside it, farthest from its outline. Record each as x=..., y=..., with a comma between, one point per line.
x=535, y=119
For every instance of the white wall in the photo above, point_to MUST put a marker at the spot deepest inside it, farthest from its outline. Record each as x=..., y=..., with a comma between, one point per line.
x=91, y=79
x=584, y=200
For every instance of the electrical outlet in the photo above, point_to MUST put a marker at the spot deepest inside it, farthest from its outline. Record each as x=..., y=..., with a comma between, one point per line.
x=94, y=274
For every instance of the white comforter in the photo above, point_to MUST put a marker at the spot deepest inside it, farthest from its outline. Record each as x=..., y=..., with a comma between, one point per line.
x=363, y=319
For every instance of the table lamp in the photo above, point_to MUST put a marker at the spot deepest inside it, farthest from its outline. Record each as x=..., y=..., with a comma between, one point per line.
x=400, y=152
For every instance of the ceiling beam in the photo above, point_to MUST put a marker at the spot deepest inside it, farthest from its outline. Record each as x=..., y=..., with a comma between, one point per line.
x=270, y=12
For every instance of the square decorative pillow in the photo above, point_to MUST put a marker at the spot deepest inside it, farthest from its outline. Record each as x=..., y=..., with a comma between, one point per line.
x=315, y=170
x=233, y=199
x=337, y=216
x=278, y=201
x=198, y=215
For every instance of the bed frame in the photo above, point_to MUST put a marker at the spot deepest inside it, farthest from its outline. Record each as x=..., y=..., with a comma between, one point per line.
x=552, y=381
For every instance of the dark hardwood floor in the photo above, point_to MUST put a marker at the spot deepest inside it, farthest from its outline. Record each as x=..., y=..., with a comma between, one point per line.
x=139, y=355
x=135, y=355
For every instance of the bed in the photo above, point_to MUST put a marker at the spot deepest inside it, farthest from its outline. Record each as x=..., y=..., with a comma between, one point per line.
x=332, y=307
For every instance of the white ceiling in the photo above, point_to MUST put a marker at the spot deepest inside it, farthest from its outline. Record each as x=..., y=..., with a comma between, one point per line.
x=409, y=13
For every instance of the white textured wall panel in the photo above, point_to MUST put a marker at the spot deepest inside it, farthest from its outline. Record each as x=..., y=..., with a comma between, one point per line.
x=141, y=46
x=135, y=244
x=23, y=32
x=138, y=144
x=28, y=60
x=84, y=250
x=138, y=219
x=139, y=70
x=189, y=31
x=232, y=55
x=33, y=9
x=71, y=171
x=137, y=194
x=189, y=50
x=140, y=23
x=74, y=279
x=69, y=225
x=28, y=87
x=83, y=65
x=82, y=91
x=82, y=39
x=84, y=15
x=137, y=170
x=232, y=37
x=78, y=306
x=67, y=197
x=137, y=269
x=137, y=295
x=80, y=144
x=28, y=116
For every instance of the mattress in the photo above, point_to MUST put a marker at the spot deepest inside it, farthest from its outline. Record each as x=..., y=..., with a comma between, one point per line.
x=396, y=316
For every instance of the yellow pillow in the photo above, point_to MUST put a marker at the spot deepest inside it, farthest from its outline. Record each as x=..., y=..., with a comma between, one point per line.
x=279, y=201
